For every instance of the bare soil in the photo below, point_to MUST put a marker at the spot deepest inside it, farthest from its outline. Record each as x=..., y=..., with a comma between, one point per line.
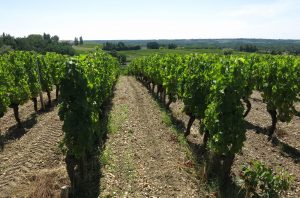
x=288, y=132
x=32, y=163
x=145, y=160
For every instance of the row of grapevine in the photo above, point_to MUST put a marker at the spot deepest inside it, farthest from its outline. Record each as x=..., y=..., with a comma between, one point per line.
x=86, y=86
x=212, y=88
x=24, y=75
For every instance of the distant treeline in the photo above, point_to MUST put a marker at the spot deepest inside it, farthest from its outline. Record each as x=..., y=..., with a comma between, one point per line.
x=120, y=46
x=274, y=46
x=248, y=48
x=35, y=42
x=156, y=45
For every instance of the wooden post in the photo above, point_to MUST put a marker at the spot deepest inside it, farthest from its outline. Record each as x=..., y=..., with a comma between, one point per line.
x=41, y=93
x=64, y=192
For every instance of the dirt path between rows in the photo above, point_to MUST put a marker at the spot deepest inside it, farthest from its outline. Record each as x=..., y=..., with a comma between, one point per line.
x=142, y=158
x=26, y=164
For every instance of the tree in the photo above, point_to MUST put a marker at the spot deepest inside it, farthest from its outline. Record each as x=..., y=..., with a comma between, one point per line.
x=121, y=46
x=80, y=40
x=76, y=41
x=248, y=48
x=35, y=42
x=47, y=38
x=8, y=40
x=153, y=45
x=22, y=44
x=172, y=46
x=1, y=42
x=55, y=38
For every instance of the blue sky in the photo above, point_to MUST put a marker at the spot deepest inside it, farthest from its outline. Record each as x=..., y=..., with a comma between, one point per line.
x=155, y=19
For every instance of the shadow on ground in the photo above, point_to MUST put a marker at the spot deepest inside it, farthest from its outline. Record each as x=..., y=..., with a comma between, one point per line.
x=15, y=132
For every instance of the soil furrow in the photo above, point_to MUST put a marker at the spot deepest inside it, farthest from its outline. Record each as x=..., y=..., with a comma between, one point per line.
x=33, y=152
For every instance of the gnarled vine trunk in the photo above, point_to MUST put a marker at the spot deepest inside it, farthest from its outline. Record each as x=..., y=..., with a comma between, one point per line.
x=78, y=174
x=205, y=138
x=272, y=128
x=57, y=92
x=15, y=108
x=49, y=98
x=169, y=102
x=153, y=87
x=189, y=125
x=248, y=105
x=163, y=99
x=34, y=100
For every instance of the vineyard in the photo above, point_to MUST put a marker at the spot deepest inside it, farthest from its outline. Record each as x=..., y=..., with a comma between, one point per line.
x=177, y=125
x=212, y=89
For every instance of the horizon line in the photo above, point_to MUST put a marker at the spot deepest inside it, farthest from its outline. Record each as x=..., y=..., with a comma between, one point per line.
x=245, y=38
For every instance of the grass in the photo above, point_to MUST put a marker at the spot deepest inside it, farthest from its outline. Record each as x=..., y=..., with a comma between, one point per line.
x=105, y=157
x=114, y=123
x=117, y=118
x=177, y=130
x=122, y=165
x=190, y=154
x=212, y=185
x=128, y=164
x=85, y=48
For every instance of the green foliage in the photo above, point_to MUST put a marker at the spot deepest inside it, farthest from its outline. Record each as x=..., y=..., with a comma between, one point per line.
x=224, y=114
x=194, y=83
x=55, y=65
x=35, y=42
x=87, y=84
x=18, y=90
x=212, y=86
x=248, y=48
x=262, y=179
x=80, y=40
x=172, y=46
x=32, y=72
x=120, y=46
x=76, y=42
x=5, y=83
x=170, y=76
x=227, y=51
x=46, y=79
x=153, y=45
x=280, y=87
x=19, y=77
x=80, y=118
x=121, y=58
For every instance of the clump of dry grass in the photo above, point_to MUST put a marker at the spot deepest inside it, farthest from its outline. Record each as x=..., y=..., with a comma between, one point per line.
x=48, y=183
x=43, y=186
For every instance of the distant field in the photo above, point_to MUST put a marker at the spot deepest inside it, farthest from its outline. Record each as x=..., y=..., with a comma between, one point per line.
x=130, y=55
x=85, y=48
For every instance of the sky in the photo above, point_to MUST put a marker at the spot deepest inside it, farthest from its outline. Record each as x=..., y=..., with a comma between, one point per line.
x=154, y=19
